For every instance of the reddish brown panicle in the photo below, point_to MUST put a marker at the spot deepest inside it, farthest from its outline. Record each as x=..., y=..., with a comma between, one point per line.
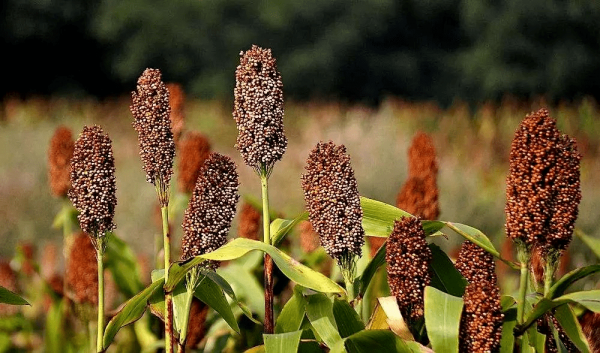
x=249, y=225
x=194, y=149
x=408, y=257
x=59, y=161
x=177, y=101
x=82, y=271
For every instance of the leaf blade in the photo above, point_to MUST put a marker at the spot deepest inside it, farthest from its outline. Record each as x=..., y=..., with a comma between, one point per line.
x=442, y=319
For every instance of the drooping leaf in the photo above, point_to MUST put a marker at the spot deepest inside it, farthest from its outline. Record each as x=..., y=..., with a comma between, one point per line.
x=346, y=318
x=282, y=342
x=122, y=263
x=248, y=290
x=568, y=321
x=8, y=297
x=291, y=268
x=281, y=227
x=229, y=291
x=445, y=276
x=319, y=310
x=131, y=311
x=567, y=280
x=477, y=237
x=212, y=295
x=442, y=319
x=387, y=315
x=378, y=218
x=182, y=302
x=291, y=316
x=592, y=243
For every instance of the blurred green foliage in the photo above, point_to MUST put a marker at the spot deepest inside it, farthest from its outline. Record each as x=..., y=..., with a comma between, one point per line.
x=357, y=50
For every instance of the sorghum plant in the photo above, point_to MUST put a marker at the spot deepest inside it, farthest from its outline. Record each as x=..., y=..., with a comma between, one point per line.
x=93, y=193
x=258, y=114
x=151, y=111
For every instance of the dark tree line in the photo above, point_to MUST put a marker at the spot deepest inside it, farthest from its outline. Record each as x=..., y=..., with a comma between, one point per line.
x=355, y=50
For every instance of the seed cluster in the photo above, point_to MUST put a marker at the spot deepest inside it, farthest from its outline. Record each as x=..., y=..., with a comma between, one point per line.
x=93, y=184
x=211, y=208
x=194, y=149
x=151, y=111
x=59, y=161
x=258, y=109
x=333, y=202
x=544, y=326
x=419, y=195
x=481, y=321
x=82, y=271
x=476, y=264
x=543, y=188
x=408, y=257
x=177, y=102
x=249, y=224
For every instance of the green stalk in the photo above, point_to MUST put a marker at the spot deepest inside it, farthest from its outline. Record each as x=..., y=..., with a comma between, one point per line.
x=168, y=295
x=186, y=316
x=90, y=335
x=268, y=262
x=523, y=255
x=99, y=254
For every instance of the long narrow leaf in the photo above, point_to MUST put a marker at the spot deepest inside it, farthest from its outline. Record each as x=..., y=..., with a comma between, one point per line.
x=282, y=342
x=8, y=297
x=281, y=227
x=592, y=243
x=365, y=278
x=568, y=321
x=212, y=295
x=442, y=319
x=346, y=318
x=567, y=280
x=291, y=316
x=319, y=310
x=445, y=276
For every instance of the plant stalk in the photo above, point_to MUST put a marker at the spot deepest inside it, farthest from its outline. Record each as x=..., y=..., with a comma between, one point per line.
x=191, y=284
x=268, y=261
x=523, y=255
x=168, y=295
x=99, y=255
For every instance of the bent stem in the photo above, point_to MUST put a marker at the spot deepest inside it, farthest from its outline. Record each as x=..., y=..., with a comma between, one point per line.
x=168, y=295
x=268, y=262
x=99, y=254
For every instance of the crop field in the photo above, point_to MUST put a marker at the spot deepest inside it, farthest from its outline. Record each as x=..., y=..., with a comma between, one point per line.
x=472, y=158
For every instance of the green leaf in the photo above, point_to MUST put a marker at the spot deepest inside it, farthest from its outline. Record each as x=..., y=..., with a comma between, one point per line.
x=346, y=318
x=282, y=342
x=565, y=281
x=8, y=297
x=247, y=288
x=442, y=318
x=592, y=243
x=54, y=339
x=445, y=276
x=507, y=302
x=212, y=295
x=181, y=308
x=371, y=341
x=387, y=316
x=291, y=268
x=121, y=261
x=507, y=341
x=477, y=237
x=568, y=321
x=319, y=310
x=229, y=291
x=292, y=314
x=365, y=278
x=378, y=218
x=281, y=227
x=131, y=311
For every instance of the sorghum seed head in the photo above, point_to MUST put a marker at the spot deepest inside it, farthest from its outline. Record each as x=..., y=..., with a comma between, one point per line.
x=8, y=280
x=333, y=202
x=59, y=161
x=544, y=326
x=309, y=239
x=422, y=157
x=590, y=325
x=210, y=211
x=481, y=321
x=177, y=102
x=408, y=257
x=476, y=265
x=82, y=271
x=249, y=224
x=93, y=185
x=258, y=109
x=194, y=149
x=151, y=111
x=542, y=187
x=419, y=197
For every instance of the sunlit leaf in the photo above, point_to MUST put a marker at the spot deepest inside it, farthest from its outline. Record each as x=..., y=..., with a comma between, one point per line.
x=282, y=342
x=292, y=314
x=281, y=227
x=319, y=310
x=442, y=319
x=387, y=315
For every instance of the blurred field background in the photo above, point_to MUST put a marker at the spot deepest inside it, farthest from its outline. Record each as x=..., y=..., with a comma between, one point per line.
x=472, y=143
